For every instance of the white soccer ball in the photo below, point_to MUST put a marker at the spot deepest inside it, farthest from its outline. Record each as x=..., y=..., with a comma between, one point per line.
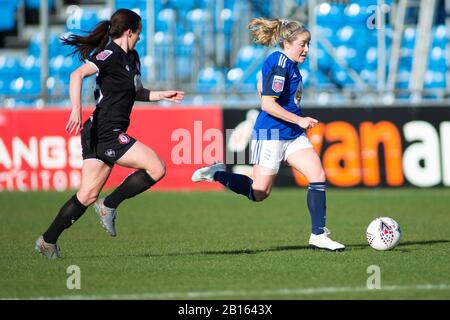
x=383, y=233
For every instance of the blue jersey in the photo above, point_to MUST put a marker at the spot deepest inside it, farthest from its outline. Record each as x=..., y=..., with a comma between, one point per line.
x=281, y=79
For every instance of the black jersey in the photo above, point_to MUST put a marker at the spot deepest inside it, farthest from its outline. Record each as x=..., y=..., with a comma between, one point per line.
x=117, y=80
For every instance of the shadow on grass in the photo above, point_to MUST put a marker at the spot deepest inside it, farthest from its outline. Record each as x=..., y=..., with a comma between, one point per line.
x=288, y=248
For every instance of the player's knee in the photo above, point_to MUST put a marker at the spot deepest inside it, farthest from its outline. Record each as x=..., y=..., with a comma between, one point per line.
x=319, y=176
x=87, y=197
x=157, y=172
x=261, y=195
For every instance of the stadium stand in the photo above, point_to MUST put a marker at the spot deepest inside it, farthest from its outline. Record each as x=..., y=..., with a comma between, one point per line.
x=203, y=46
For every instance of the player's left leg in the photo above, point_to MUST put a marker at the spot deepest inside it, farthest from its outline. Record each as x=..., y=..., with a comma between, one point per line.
x=307, y=162
x=150, y=167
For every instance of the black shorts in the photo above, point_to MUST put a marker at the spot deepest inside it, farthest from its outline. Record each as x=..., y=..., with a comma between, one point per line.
x=109, y=149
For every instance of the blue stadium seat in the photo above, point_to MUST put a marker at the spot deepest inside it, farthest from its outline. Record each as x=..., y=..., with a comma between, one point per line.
x=356, y=14
x=133, y=4
x=403, y=77
x=184, y=53
x=440, y=36
x=371, y=58
x=437, y=60
x=340, y=76
x=208, y=79
x=26, y=87
x=248, y=54
x=409, y=37
x=369, y=76
x=434, y=80
x=36, y=4
x=330, y=15
x=184, y=5
x=164, y=19
x=30, y=65
x=8, y=14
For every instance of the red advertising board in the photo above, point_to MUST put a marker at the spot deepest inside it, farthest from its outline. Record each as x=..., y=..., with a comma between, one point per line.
x=36, y=153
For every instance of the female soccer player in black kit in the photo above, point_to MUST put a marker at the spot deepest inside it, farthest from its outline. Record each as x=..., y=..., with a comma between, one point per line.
x=109, y=51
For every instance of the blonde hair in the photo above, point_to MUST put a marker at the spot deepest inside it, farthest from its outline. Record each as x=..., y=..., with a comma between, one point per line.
x=269, y=32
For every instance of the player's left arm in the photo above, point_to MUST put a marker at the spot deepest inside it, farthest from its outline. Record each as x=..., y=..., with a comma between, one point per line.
x=144, y=94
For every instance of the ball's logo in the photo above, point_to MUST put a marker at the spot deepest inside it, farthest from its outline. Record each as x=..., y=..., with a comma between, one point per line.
x=123, y=138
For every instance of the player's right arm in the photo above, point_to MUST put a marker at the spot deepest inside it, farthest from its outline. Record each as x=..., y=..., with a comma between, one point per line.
x=272, y=87
x=271, y=106
x=76, y=79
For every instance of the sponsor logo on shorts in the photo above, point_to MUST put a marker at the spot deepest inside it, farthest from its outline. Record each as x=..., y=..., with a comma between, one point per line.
x=110, y=153
x=123, y=138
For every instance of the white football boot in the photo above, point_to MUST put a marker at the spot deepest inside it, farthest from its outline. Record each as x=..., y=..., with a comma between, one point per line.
x=107, y=216
x=49, y=250
x=322, y=241
x=207, y=173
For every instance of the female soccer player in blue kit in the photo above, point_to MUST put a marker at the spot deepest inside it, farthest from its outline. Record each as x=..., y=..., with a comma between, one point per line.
x=279, y=131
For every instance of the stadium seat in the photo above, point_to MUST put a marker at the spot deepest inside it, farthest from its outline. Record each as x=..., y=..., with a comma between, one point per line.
x=434, y=80
x=369, y=77
x=440, y=36
x=437, y=60
x=8, y=14
x=329, y=15
x=208, y=79
x=36, y=4
x=133, y=4
x=184, y=53
x=247, y=55
x=403, y=77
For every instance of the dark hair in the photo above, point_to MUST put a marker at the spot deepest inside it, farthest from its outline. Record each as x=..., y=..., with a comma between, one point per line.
x=97, y=39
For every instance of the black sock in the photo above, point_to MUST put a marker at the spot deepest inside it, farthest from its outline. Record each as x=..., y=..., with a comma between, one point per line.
x=69, y=213
x=135, y=183
x=239, y=183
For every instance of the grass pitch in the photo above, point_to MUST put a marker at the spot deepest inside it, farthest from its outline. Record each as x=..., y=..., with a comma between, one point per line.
x=217, y=245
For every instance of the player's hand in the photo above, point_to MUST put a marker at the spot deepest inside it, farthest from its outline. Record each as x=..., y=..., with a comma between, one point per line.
x=172, y=95
x=74, y=124
x=307, y=122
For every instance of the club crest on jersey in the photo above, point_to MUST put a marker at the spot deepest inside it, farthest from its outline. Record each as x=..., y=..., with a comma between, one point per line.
x=103, y=55
x=123, y=138
x=110, y=153
x=278, y=84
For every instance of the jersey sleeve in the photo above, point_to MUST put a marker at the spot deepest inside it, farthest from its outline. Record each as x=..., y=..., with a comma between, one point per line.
x=105, y=61
x=274, y=82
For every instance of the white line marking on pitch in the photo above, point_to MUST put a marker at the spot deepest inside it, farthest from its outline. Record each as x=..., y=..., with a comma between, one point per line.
x=238, y=293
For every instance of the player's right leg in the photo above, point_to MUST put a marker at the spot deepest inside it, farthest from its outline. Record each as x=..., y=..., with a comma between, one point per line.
x=93, y=177
x=264, y=171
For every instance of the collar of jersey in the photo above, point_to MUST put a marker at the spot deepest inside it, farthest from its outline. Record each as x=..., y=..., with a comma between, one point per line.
x=120, y=49
x=289, y=59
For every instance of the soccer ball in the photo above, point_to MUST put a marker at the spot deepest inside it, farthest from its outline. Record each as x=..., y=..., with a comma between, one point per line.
x=383, y=233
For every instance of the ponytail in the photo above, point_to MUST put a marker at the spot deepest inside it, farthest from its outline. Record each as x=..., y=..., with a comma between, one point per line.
x=96, y=40
x=269, y=32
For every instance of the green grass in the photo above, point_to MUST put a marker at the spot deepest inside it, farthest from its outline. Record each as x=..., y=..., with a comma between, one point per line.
x=216, y=245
